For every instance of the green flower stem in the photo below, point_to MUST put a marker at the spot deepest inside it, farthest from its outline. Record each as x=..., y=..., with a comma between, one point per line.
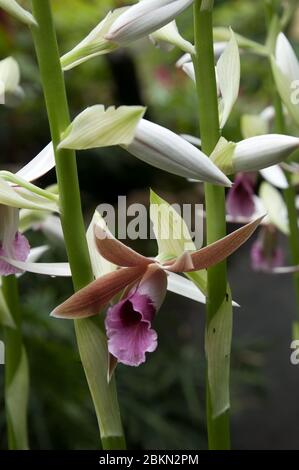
x=44, y=36
x=218, y=429
x=16, y=408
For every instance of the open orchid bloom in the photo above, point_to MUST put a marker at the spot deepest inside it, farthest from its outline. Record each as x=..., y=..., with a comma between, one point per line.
x=144, y=279
x=17, y=192
x=240, y=201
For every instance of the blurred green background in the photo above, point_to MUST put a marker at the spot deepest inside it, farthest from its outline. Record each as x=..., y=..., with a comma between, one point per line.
x=162, y=402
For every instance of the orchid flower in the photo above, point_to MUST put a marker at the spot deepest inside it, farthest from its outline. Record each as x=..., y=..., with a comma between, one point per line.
x=12, y=243
x=265, y=253
x=144, y=281
x=240, y=201
x=18, y=192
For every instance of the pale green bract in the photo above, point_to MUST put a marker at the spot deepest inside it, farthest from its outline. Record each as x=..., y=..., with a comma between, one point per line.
x=13, y=8
x=21, y=198
x=97, y=127
x=173, y=236
x=217, y=345
x=222, y=155
x=275, y=207
x=228, y=73
x=94, y=44
x=169, y=37
x=100, y=265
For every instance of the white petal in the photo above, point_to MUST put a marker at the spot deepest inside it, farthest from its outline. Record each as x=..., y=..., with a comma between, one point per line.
x=13, y=8
x=49, y=269
x=286, y=58
x=275, y=175
x=39, y=165
x=275, y=206
x=182, y=286
x=164, y=149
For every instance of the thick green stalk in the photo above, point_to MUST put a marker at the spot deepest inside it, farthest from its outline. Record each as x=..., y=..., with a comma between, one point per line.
x=72, y=219
x=16, y=400
x=218, y=429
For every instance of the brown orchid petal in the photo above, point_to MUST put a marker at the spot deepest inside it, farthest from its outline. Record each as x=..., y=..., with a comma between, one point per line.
x=220, y=250
x=116, y=252
x=89, y=300
x=182, y=264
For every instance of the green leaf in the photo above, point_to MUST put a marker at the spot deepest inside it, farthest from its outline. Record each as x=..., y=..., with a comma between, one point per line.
x=94, y=352
x=253, y=125
x=6, y=318
x=275, y=207
x=13, y=8
x=222, y=155
x=16, y=399
x=97, y=127
x=218, y=351
x=173, y=236
x=286, y=91
x=228, y=72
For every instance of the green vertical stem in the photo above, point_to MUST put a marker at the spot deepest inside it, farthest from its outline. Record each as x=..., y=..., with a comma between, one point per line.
x=44, y=36
x=14, y=350
x=218, y=428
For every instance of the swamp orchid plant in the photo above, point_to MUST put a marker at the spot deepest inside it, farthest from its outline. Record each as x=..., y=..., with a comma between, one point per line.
x=110, y=278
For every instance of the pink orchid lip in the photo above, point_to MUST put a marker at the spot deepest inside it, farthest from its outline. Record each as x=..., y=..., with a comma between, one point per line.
x=240, y=198
x=19, y=249
x=129, y=321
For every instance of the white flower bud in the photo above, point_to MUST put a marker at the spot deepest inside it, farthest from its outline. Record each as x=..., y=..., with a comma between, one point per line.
x=144, y=18
x=262, y=151
x=164, y=149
